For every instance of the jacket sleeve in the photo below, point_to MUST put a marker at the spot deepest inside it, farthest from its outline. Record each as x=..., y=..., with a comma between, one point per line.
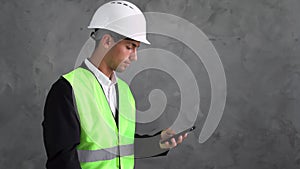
x=61, y=129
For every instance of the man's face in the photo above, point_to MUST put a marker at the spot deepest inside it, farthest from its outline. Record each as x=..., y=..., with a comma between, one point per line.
x=122, y=54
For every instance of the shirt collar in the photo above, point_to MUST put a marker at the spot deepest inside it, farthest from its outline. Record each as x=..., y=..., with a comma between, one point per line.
x=102, y=78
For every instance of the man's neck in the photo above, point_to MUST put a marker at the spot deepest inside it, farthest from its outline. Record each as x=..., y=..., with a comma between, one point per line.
x=105, y=70
x=102, y=66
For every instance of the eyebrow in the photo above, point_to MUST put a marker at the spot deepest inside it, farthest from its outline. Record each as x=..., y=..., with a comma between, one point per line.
x=133, y=44
x=130, y=41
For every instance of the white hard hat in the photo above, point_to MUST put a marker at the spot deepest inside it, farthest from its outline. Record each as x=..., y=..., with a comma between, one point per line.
x=121, y=17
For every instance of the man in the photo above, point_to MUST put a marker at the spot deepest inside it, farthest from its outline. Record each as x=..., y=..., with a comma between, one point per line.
x=89, y=115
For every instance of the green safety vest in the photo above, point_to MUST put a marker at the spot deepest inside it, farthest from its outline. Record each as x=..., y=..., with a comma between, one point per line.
x=103, y=144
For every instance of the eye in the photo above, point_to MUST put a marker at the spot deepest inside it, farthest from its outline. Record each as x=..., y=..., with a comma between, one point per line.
x=129, y=47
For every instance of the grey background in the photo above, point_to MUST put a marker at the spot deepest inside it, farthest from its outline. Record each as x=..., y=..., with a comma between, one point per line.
x=258, y=43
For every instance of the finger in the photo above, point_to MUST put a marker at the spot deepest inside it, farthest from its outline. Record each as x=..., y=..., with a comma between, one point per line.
x=185, y=135
x=167, y=144
x=174, y=144
x=179, y=140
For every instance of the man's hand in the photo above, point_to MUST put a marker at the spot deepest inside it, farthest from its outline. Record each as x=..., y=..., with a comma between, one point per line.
x=167, y=133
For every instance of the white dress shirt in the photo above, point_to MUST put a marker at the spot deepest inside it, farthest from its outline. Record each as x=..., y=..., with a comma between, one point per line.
x=108, y=85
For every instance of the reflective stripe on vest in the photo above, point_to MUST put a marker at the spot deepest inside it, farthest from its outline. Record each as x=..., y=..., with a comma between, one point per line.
x=105, y=154
x=103, y=144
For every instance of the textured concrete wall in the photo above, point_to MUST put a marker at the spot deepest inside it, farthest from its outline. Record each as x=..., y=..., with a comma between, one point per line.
x=258, y=43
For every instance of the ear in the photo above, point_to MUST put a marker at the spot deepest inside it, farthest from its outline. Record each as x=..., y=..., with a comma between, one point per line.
x=106, y=41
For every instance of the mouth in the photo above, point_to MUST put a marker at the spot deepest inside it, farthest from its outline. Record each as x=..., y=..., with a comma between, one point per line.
x=127, y=63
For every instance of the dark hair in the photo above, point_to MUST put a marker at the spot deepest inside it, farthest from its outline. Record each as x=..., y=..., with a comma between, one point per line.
x=97, y=34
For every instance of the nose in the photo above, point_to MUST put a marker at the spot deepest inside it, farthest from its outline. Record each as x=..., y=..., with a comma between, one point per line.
x=133, y=55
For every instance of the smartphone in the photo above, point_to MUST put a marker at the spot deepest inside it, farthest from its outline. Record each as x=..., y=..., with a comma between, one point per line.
x=176, y=136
